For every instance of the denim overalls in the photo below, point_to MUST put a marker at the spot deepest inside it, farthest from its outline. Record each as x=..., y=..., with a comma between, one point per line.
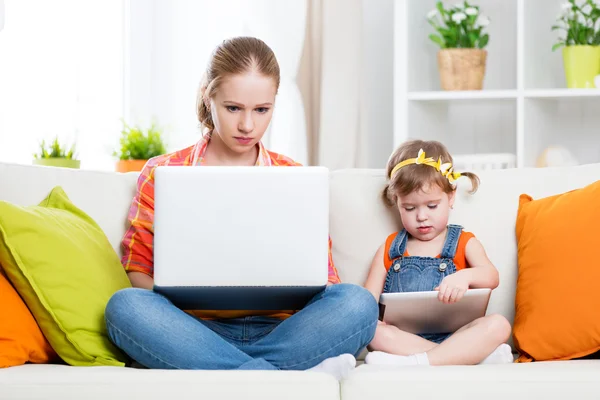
x=419, y=274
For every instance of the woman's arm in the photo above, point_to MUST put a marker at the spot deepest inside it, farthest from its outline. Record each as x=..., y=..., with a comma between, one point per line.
x=140, y=280
x=376, y=278
x=137, y=243
x=482, y=273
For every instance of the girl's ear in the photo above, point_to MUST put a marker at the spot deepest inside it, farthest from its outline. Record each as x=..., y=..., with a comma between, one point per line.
x=451, y=197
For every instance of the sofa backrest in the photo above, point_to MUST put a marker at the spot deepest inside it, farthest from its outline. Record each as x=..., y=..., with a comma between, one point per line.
x=105, y=196
x=360, y=222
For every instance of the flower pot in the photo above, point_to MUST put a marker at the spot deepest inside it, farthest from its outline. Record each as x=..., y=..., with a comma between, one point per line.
x=130, y=165
x=582, y=64
x=57, y=162
x=462, y=69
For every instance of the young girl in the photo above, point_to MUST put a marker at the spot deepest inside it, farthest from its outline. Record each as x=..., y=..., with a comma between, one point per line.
x=449, y=260
x=234, y=106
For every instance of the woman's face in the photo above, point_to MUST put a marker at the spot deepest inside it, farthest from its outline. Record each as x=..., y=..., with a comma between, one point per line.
x=242, y=108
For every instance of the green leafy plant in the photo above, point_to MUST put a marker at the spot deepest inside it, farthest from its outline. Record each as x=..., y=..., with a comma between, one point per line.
x=139, y=144
x=460, y=26
x=579, y=21
x=55, y=150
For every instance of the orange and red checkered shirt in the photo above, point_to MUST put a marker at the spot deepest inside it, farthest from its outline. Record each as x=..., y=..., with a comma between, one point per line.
x=138, y=239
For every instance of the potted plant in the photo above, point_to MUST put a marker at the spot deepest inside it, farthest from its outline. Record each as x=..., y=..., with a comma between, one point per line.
x=460, y=35
x=56, y=155
x=137, y=146
x=581, y=42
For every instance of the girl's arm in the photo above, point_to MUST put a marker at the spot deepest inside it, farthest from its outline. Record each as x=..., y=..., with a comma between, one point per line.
x=376, y=278
x=482, y=274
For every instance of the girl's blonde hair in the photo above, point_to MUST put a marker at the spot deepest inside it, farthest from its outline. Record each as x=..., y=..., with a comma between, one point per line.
x=415, y=177
x=234, y=56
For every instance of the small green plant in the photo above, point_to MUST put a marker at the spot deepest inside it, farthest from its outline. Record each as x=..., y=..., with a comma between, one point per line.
x=579, y=21
x=137, y=144
x=460, y=26
x=55, y=150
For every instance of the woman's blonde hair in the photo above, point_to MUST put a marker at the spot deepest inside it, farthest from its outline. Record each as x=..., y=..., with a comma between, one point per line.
x=233, y=56
x=414, y=177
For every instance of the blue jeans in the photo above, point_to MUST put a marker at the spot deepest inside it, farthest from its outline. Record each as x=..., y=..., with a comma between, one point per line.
x=151, y=330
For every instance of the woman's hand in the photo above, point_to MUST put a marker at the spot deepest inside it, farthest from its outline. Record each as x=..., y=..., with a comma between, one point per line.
x=453, y=287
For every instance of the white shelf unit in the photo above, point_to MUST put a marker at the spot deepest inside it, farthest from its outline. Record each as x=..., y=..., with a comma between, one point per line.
x=524, y=106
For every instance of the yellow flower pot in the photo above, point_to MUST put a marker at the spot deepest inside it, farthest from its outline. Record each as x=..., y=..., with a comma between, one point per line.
x=57, y=162
x=582, y=64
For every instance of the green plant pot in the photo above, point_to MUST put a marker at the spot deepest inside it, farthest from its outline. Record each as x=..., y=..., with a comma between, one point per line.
x=582, y=64
x=57, y=162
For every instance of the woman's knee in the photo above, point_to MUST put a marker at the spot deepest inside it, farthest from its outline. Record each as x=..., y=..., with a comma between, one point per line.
x=355, y=301
x=124, y=303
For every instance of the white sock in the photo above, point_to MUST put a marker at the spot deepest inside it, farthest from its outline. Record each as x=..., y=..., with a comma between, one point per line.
x=339, y=366
x=382, y=358
x=502, y=355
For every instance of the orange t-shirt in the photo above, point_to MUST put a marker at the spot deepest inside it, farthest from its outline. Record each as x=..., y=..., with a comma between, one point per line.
x=460, y=260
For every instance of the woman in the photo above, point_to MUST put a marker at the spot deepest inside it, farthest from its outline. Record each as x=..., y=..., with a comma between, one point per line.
x=234, y=106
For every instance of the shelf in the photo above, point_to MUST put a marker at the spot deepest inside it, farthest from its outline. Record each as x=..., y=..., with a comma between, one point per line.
x=502, y=94
x=462, y=95
x=466, y=127
x=420, y=58
x=570, y=122
x=524, y=108
x=561, y=93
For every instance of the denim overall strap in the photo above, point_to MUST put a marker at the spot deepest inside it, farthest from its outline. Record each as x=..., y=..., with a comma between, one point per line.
x=398, y=246
x=451, y=243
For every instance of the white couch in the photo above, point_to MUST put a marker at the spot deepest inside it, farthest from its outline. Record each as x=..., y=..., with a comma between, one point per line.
x=359, y=224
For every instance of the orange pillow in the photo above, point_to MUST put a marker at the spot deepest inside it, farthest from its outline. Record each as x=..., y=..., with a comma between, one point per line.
x=21, y=339
x=558, y=301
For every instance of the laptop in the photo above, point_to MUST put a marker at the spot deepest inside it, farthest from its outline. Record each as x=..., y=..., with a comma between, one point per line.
x=241, y=238
x=422, y=312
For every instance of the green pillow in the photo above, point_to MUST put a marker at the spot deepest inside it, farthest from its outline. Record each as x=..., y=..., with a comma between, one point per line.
x=65, y=269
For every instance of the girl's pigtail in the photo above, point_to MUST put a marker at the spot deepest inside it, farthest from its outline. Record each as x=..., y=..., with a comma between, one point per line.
x=385, y=194
x=474, y=181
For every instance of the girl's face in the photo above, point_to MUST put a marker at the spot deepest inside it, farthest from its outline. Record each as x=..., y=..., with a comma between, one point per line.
x=242, y=109
x=425, y=212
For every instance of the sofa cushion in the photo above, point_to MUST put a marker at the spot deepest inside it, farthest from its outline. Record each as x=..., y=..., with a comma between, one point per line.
x=61, y=263
x=360, y=222
x=557, y=299
x=544, y=380
x=37, y=382
x=21, y=340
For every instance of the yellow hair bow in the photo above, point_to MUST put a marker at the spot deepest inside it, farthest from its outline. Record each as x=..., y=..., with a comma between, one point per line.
x=445, y=169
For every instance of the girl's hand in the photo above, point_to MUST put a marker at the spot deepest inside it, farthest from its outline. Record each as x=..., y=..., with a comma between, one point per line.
x=453, y=287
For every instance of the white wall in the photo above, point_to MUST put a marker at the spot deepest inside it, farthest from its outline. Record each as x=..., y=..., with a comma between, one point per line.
x=163, y=77
x=378, y=59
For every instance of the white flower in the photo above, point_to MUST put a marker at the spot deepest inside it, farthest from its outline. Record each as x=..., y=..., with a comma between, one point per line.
x=459, y=17
x=483, y=21
x=566, y=6
x=587, y=8
x=459, y=6
x=581, y=19
x=432, y=13
x=471, y=11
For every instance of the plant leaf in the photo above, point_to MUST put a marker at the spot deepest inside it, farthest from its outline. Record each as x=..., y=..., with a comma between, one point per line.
x=483, y=41
x=438, y=40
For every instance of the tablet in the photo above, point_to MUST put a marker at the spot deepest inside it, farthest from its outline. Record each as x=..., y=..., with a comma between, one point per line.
x=422, y=312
